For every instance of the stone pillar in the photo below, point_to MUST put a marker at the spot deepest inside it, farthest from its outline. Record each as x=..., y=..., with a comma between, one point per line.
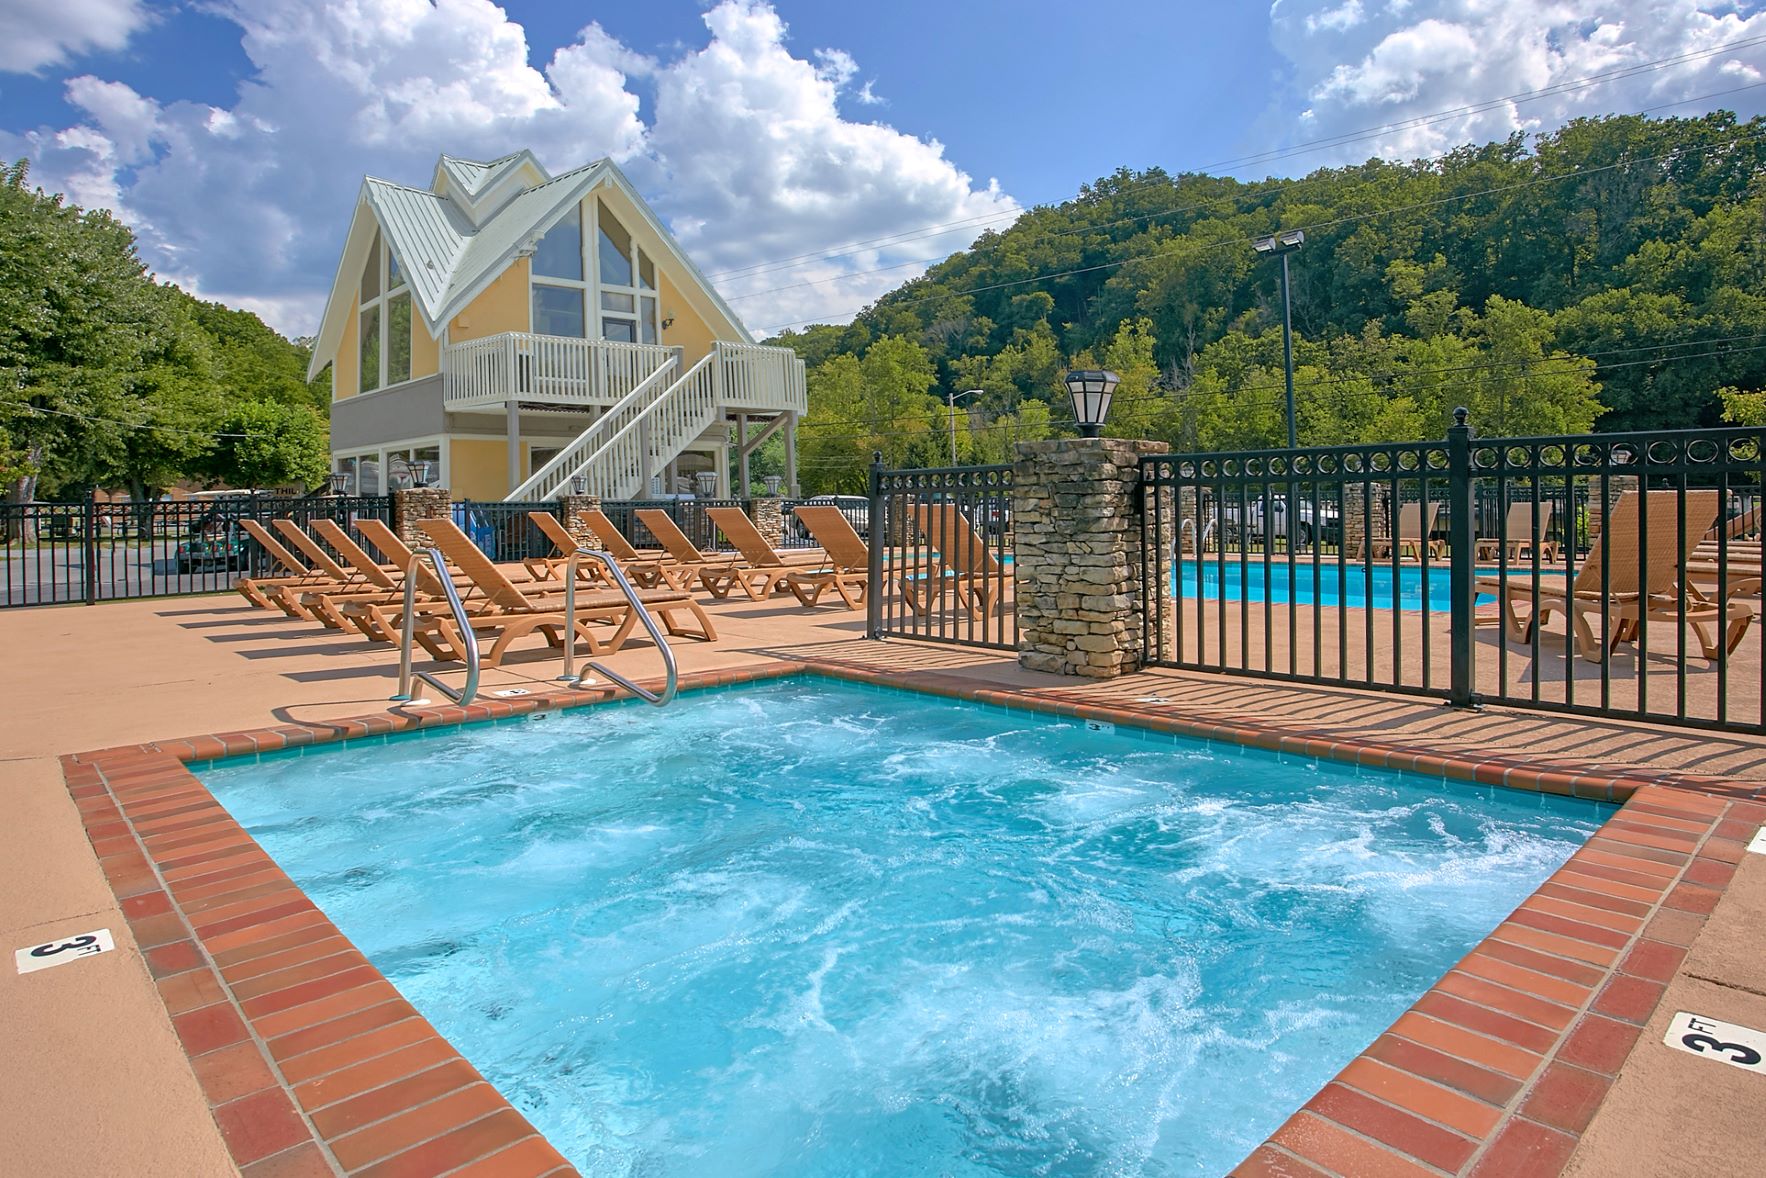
x=415, y=503
x=571, y=507
x=769, y=519
x=1077, y=558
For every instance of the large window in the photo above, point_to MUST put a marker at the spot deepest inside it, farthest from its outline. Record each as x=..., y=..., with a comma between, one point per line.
x=385, y=326
x=624, y=290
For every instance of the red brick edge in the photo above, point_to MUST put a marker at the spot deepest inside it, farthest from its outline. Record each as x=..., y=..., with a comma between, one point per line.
x=314, y=1064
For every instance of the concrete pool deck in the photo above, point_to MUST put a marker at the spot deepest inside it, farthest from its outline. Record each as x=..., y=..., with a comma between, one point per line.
x=110, y=1068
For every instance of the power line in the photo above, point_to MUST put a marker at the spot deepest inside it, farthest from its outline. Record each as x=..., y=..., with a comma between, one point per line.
x=1197, y=251
x=1303, y=147
x=1568, y=365
x=134, y=425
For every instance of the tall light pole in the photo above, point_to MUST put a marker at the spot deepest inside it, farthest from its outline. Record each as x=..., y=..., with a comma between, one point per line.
x=951, y=400
x=1281, y=245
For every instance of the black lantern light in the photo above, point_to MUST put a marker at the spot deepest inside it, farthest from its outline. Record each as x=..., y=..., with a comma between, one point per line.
x=340, y=481
x=422, y=472
x=579, y=485
x=1091, y=390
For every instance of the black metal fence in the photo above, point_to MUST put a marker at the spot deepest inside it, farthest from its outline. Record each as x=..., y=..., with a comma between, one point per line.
x=92, y=551
x=1610, y=574
x=941, y=555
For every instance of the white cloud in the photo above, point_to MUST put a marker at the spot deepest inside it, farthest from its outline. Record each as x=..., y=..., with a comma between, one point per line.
x=1356, y=66
x=746, y=155
x=35, y=34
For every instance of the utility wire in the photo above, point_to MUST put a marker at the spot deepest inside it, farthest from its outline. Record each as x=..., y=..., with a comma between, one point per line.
x=1197, y=251
x=1303, y=147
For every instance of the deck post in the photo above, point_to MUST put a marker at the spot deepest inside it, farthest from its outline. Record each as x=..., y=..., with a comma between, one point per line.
x=513, y=426
x=791, y=454
x=878, y=528
x=741, y=456
x=1462, y=538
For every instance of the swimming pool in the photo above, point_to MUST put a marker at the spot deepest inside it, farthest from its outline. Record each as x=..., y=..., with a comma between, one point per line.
x=810, y=928
x=1354, y=591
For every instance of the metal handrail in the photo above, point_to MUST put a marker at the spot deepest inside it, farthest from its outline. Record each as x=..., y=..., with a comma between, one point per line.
x=409, y=632
x=650, y=626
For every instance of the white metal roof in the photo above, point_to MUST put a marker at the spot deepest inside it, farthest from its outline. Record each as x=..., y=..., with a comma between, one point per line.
x=450, y=248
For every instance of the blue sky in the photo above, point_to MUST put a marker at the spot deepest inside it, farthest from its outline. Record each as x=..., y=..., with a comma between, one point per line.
x=233, y=133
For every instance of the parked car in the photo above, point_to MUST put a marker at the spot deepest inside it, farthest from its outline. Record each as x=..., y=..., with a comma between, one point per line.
x=856, y=509
x=1268, y=516
x=215, y=545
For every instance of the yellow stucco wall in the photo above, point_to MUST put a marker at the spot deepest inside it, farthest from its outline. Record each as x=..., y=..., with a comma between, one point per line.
x=689, y=332
x=478, y=467
x=501, y=306
x=345, y=366
x=425, y=358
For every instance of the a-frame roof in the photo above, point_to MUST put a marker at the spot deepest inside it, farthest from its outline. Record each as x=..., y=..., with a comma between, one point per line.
x=450, y=250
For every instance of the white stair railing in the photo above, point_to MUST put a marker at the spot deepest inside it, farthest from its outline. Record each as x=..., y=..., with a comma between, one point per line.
x=549, y=480
x=621, y=467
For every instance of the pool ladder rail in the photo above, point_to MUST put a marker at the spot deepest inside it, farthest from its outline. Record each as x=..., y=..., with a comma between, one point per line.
x=463, y=622
x=613, y=572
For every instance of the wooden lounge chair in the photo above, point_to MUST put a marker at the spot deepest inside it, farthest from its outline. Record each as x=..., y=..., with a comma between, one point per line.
x=513, y=612
x=965, y=563
x=338, y=578
x=1522, y=540
x=845, y=567
x=646, y=568
x=375, y=580
x=545, y=568
x=717, y=572
x=259, y=590
x=1638, y=583
x=766, y=567
x=1412, y=537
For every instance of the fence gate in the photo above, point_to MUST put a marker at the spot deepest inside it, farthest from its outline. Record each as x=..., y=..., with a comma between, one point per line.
x=1423, y=568
x=941, y=556
x=59, y=553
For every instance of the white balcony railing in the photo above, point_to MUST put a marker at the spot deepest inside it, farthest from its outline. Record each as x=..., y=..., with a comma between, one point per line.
x=547, y=369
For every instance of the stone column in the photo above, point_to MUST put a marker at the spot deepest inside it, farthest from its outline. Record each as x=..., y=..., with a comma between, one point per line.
x=1077, y=558
x=415, y=503
x=769, y=519
x=570, y=507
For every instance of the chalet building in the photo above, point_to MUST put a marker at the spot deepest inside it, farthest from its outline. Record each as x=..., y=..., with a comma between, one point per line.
x=506, y=333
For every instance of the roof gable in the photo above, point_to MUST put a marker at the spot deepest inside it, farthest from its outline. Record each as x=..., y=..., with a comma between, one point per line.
x=455, y=240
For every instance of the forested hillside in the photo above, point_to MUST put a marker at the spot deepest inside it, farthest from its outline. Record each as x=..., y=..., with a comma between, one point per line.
x=1609, y=274
x=110, y=378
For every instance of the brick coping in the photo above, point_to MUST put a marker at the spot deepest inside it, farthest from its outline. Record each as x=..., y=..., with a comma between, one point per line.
x=313, y=1063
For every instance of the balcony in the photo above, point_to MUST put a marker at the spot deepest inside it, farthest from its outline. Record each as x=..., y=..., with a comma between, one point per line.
x=520, y=366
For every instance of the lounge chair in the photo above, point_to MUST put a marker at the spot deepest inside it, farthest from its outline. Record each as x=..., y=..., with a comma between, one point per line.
x=1413, y=535
x=646, y=568
x=1639, y=584
x=545, y=568
x=845, y=567
x=375, y=580
x=379, y=615
x=1522, y=539
x=338, y=579
x=513, y=612
x=717, y=572
x=767, y=568
x=259, y=590
x=965, y=562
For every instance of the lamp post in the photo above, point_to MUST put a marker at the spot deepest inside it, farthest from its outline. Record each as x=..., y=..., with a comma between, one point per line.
x=340, y=481
x=579, y=485
x=951, y=400
x=1281, y=245
x=422, y=472
x=1091, y=390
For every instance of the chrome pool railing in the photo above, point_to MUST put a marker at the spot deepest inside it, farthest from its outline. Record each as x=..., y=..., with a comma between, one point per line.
x=650, y=627
x=408, y=632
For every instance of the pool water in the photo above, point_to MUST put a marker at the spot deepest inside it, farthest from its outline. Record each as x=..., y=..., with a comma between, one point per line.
x=1247, y=583
x=809, y=928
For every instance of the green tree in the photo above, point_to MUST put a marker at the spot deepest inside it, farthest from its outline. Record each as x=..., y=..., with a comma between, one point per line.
x=270, y=444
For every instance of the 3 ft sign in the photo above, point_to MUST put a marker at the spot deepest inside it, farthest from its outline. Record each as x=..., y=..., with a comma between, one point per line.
x=62, y=950
x=1739, y=1047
